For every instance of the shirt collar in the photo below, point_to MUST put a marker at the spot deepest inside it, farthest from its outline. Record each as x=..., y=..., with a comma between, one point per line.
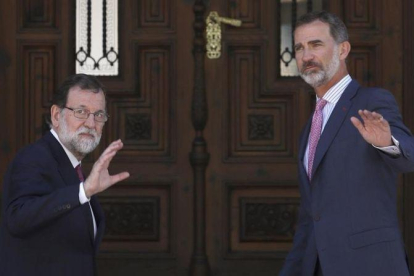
x=335, y=92
x=70, y=155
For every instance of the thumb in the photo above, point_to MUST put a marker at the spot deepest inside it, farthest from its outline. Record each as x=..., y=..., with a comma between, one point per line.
x=119, y=177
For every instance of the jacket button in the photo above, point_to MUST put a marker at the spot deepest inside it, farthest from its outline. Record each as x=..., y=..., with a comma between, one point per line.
x=316, y=217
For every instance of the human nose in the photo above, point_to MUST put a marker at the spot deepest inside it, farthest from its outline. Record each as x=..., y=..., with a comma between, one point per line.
x=307, y=55
x=90, y=121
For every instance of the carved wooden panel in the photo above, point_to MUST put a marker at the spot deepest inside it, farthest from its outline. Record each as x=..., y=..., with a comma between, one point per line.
x=249, y=12
x=153, y=14
x=144, y=122
x=256, y=124
x=266, y=220
x=261, y=217
x=39, y=14
x=362, y=14
x=39, y=66
x=254, y=119
x=363, y=64
x=138, y=218
x=132, y=218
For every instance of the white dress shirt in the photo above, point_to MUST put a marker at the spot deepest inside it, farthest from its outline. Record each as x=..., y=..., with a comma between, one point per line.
x=82, y=196
x=332, y=96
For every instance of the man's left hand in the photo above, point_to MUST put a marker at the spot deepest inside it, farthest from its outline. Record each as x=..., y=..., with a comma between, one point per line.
x=374, y=128
x=99, y=179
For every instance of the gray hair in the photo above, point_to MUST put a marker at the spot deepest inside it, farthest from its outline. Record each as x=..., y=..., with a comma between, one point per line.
x=337, y=27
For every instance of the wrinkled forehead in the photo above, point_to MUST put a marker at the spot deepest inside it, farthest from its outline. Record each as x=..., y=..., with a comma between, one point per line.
x=92, y=100
x=316, y=30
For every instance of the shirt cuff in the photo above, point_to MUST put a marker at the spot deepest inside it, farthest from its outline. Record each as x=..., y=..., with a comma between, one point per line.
x=82, y=196
x=393, y=150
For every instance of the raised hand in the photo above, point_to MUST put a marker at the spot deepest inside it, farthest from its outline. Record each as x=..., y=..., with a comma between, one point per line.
x=374, y=128
x=99, y=178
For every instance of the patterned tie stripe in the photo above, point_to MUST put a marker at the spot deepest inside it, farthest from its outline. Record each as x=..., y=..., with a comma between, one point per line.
x=80, y=173
x=315, y=133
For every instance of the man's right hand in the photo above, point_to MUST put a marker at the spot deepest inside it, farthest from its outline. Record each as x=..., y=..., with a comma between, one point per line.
x=99, y=178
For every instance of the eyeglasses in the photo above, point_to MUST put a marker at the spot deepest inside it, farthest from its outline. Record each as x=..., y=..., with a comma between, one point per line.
x=80, y=113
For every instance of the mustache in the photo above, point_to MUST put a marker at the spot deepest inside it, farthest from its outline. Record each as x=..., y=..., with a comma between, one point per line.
x=310, y=63
x=86, y=130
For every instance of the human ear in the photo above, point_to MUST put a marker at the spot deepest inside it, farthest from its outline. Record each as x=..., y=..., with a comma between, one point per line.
x=345, y=48
x=54, y=115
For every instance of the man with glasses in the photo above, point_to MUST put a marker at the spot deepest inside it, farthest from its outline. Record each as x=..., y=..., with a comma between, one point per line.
x=52, y=223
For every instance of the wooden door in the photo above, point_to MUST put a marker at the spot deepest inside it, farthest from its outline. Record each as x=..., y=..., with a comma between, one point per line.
x=211, y=145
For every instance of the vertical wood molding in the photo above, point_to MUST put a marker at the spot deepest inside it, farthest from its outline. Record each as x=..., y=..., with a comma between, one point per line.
x=199, y=156
x=408, y=115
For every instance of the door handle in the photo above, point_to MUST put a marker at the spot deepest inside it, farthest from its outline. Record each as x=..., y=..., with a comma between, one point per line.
x=213, y=33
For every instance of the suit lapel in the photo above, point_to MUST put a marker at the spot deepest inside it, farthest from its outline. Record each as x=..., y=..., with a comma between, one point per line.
x=69, y=176
x=334, y=123
x=302, y=148
x=66, y=169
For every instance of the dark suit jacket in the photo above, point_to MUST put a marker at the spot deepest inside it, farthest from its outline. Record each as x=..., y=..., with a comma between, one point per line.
x=44, y=229
x=348, y=216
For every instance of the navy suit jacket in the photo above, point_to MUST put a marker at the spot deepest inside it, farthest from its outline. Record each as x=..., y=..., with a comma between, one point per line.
x=45, y=230
x=348, y=213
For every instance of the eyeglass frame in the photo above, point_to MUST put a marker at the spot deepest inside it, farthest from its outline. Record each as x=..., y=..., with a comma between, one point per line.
x=88, y=113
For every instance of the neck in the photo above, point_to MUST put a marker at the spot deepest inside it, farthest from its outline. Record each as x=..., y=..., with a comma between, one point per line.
x=321, y=90
x=78, y=155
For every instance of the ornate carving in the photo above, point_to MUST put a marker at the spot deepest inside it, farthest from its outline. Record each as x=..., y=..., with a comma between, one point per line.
x=138, y=127
x=199, y=156
x=261, y=127
x=38, y=79
x=249, y=136
x=39, y=14
x=154, y=13
x=199, y=109
x=250, y=12
x=264, y=221
x=362, y=63
x=362, y=14
x=132, y=218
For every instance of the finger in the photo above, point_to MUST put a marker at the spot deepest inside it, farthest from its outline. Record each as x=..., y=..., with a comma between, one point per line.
x=368, y=115
x=362, y=115
x=119, y=177
x=378, y=119
x=116, y=145
x=377, y=116
x=107, y=155
x=110, y=150
x=103, y=161
x=357, y=123
x=113, y=147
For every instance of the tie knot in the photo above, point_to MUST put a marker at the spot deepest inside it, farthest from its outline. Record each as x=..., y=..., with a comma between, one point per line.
x=320, y=104
x=80, y=173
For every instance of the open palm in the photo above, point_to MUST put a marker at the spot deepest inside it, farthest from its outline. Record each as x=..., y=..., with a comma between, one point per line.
x=99, y=179
x=373, y=128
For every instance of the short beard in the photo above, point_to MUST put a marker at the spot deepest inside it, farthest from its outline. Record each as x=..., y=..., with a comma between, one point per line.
x=76, y=144
x=323, y=75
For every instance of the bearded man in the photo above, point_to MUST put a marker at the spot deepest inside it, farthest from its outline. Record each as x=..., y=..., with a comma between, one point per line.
x=52, y=223
x=351, y=151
